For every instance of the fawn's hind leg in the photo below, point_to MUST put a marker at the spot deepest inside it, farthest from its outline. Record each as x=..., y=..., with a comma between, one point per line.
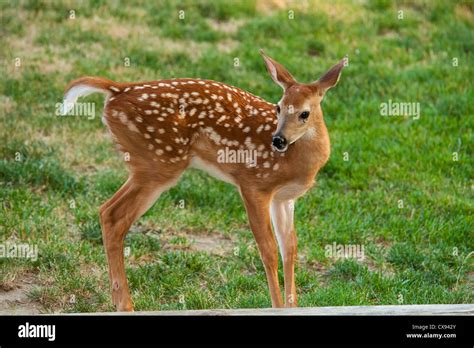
x=130, y=202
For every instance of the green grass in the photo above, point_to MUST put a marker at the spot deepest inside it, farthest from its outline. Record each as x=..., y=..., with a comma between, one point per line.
x=68, y=167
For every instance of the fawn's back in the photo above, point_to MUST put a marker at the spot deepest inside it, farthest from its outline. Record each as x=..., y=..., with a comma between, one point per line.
x=183, y=121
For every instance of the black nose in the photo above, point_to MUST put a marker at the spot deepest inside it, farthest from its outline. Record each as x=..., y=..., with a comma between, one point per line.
x=279, y=142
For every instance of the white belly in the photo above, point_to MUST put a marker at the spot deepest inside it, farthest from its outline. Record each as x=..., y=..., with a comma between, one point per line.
x=211, y=169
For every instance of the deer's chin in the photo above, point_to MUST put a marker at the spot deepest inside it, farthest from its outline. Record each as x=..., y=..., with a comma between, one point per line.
x=297, y=138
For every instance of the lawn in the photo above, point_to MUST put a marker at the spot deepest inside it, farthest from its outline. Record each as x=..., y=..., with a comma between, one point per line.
x=399, y=186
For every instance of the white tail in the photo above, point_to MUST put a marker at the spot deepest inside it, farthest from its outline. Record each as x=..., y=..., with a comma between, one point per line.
x=82, y=88
x=271, y=153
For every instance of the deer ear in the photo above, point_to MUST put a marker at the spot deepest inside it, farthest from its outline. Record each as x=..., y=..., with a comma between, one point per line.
x=330, y=78
x=278, y=72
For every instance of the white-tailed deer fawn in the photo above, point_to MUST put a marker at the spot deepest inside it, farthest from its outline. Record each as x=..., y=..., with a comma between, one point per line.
x=166, y=126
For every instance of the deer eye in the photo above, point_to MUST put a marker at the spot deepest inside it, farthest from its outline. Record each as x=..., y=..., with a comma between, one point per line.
x=304, y=115
x=278, y=109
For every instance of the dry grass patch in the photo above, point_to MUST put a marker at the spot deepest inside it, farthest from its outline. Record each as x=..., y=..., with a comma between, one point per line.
x=213, y=243
x=338, y=10
x=31, y=55
x=15, y=295
x=227, y=27
x=7, y=105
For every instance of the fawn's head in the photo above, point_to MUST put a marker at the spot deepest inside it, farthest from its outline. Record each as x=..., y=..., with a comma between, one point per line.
x=297, y=109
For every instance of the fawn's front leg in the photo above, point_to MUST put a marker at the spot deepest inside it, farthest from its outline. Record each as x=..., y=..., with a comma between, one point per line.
x=282, y=213
x=257, y=205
